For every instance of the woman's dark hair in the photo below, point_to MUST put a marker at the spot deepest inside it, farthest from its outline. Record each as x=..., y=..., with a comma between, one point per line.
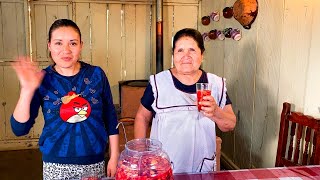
x=63, y=23
x=189, y=32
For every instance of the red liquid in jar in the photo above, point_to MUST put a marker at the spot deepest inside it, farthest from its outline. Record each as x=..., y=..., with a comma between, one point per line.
x=200, y=95
x=90, y=178
x=151, y=168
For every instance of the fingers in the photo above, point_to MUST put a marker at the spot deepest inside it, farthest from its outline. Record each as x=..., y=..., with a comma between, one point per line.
x=108, y=173
x=209, y=106
x=23, y=63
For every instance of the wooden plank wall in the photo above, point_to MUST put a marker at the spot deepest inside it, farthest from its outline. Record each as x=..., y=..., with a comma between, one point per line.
x=311, y=103
x=275, y=61
x=13, y=42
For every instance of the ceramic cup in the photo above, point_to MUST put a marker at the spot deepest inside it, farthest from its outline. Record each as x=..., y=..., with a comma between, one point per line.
x=220, y=35
x=235, y=34
x=215, y=16
x=205, y=37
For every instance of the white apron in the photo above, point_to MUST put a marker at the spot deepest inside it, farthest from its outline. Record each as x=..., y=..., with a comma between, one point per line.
x=188, y=137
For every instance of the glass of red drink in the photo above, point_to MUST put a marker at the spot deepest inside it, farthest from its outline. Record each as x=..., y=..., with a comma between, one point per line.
x=203, y=89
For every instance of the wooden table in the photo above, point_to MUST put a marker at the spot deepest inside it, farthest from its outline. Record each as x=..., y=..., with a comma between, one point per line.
x=281, y=173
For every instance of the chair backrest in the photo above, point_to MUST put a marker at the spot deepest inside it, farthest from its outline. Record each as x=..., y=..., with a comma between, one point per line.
x=130, y=92
x=299, y=139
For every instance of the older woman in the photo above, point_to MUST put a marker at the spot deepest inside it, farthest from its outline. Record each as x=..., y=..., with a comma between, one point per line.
x=187, y=135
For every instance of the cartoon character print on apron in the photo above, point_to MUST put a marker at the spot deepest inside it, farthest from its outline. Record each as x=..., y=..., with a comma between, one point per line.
x=187, y=135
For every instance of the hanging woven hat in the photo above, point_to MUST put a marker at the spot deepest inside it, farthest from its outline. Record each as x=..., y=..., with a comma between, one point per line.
x=245, y=12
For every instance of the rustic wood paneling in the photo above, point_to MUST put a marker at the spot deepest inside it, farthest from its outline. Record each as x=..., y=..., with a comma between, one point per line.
x=294, y=64
x=115, y=48
x=168, y=12
x=21, y=30
x=11, y=95
x=183, y=20
x=99, y=35
x=143, y=41
x=181, y=1
x=312, y=99
x=129, y=61
x=2, y=105
x=83, y=20
x=266, y=119
x=10, y=33
x=1, y=37
x=239, y=69
x=153, y=41
x=39, y=42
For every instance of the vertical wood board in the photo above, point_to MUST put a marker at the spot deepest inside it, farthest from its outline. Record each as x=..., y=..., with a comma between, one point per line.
x=167, y=36
x=266, y=119
x=99, y=35
x=143, y=41
x=11, y=95
x=231, y=73
x=2, y=105
x=129, y=63
x=239, y=70
x=312, y=98
x=185, y=20
x=294, y=59
x=40, y=32
x=21, y=30
x=1, y=34
x=153, y=40
x=114, y=49
x=83, y=19
x=10, y=26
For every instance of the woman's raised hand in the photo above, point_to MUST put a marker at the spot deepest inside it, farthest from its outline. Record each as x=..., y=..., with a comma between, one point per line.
x=29, y=75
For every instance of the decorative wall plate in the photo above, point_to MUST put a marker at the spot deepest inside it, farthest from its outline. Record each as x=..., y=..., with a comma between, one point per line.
x=245, y=12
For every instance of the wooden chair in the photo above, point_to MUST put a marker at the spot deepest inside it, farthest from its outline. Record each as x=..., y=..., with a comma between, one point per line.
x=303, y=141
x=218, y=152
x=130, y=93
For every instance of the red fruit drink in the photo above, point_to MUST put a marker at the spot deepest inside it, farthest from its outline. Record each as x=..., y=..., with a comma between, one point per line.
x=146, y=168
x=200, y=94
x=144, y=159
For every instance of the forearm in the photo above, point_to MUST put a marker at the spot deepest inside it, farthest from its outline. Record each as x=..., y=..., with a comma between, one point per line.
x=140, y=128
x=22, y=110
x=114, y=146
x=224, y=119
x=141, y=122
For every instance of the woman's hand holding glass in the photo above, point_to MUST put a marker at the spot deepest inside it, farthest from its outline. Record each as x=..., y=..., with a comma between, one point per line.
x=206, y=103
x=208, y=106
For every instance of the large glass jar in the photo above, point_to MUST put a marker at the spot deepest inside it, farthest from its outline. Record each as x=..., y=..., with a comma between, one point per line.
x=144, y=159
